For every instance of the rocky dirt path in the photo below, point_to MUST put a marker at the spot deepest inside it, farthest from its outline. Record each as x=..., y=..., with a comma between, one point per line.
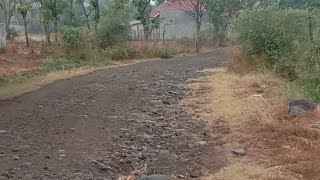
x=111, y=123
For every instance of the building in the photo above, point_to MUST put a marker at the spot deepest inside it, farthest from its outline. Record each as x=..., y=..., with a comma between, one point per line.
x=175, y=23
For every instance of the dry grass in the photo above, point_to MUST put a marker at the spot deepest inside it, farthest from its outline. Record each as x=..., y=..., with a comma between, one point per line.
x=240, y=171
x=234, y=97
x=276, y=141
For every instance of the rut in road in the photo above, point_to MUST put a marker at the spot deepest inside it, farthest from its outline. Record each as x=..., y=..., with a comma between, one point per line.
x=110, y=123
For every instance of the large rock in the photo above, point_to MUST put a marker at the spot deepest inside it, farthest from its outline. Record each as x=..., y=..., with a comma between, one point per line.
x=301, y=107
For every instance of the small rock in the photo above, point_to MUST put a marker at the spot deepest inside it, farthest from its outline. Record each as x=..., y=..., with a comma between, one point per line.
x=181, y=176
x=202, y=143
x=240, y=152
x=158, y=146
x=154, y=177
x=16, y=157
x=26, y=164
x=195, y=174
x=101, y=165
x=61, y=151
x=3, y=131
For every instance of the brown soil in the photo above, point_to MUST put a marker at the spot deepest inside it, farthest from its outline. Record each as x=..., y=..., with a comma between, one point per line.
x=127, y=118
x=19, y=58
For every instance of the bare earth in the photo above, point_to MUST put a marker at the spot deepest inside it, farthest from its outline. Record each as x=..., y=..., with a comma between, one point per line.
x=112, y=123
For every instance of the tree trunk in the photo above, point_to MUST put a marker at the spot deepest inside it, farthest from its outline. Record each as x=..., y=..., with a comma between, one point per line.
x=46, y=29
x=71, y=11
x=197, y=39
x=310, y=9
x=55, y=23
x=55, y=29
x=24, y=16
x=8, y=22
x=87, y=16
x=97, y=16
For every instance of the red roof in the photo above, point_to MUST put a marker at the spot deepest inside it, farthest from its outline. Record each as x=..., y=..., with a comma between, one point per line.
x=177, y=5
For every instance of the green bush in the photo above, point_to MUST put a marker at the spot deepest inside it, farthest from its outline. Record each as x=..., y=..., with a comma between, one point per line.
x=310, y=83
x=64, y=64
x=2, y=50
x=279, y=36
x=72, y=37
x=166, y=54
x=13, y=33
x=123, y=53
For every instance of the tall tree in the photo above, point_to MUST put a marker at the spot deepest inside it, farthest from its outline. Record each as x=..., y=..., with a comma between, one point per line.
x=86, y=10
x=71, y=13
x=23, y=8
x=8, y=7
x=195, y=9
x=95, y=5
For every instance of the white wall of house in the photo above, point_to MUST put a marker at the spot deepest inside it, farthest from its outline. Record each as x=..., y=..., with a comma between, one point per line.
x=2, y=35
x=177, y=24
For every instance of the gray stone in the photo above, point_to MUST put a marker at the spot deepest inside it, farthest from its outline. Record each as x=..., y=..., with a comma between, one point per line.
x=301, y=107
x=154, y=177
x=101, y=165
x=16, y=157
x=26, y=164
x=3, y=131
x=202, y=143
x=240, y=152
x=165, y=154
x=195, y=174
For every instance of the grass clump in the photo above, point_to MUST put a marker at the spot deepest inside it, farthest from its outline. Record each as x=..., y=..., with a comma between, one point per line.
x=166, y=54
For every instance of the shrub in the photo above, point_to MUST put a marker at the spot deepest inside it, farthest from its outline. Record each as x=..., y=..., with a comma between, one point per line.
x=310, y=83
x=72, y=37
x=279, y=36
x=64, y=64
x=13, y=33
x=166, y=54
x=2, y=50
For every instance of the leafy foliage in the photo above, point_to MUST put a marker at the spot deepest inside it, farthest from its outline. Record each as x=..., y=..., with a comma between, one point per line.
x=114, y=28
x=72, y=37
x=273, y=34
x=166, y=54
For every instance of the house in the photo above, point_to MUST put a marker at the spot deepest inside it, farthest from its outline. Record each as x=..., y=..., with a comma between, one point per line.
x=137, y=31
x=175, y=23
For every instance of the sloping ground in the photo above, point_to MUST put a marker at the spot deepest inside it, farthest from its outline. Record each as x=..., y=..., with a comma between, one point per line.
x=111, y=123
x=278, y=145
x=18, y=58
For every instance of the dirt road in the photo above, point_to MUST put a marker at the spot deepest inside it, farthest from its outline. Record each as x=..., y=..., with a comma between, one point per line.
x=110, y=123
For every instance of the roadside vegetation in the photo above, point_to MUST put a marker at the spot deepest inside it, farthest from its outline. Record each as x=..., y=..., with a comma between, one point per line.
x=275, y=57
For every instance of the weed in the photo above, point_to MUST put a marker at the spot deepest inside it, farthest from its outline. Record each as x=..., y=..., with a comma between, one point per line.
x=2, y=50
x=166, y=54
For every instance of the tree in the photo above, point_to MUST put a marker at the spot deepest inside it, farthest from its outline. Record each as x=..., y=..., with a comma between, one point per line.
x=87, y=11
x=95, y=5
x=144, y=8
x=23, y=8
x=195, y=9
x=8, y=7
